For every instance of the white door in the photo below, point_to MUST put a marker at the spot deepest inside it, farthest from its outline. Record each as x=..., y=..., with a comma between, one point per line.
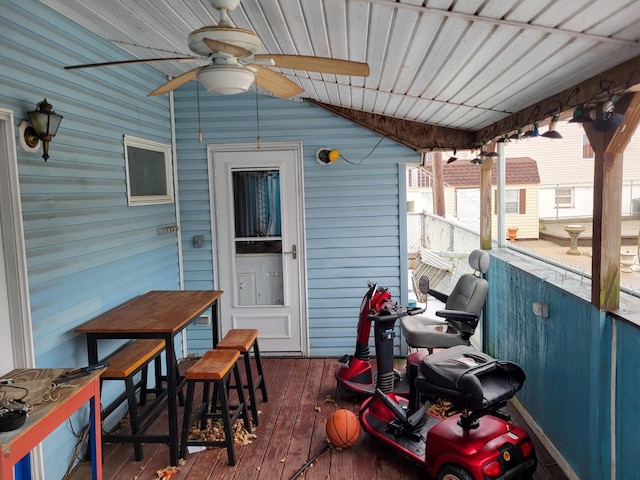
x=259, y=231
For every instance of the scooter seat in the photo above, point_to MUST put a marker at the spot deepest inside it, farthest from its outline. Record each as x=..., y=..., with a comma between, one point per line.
x=469, y=379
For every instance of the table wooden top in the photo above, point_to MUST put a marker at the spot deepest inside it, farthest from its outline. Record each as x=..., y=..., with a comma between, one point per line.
x=158, y=311
x=38, y=381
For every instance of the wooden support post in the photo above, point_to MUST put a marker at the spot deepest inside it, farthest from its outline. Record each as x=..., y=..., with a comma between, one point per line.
x=438, y=183
x=608, y=149
x=485, y=203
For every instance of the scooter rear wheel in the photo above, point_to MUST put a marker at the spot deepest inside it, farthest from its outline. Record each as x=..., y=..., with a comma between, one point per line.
x=453, y=472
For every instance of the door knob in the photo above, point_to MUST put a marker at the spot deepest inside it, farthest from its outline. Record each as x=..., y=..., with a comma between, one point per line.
x=294, y=251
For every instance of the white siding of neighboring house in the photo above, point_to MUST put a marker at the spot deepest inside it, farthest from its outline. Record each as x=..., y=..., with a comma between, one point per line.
x=460, y=204
x=528, y=222
x=561, y=164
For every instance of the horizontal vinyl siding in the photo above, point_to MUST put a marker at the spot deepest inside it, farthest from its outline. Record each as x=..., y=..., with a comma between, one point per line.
x=352, y=211
x=87, y=251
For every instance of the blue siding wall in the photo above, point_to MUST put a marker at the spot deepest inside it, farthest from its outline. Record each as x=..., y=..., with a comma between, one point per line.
x=87, y=251
x=352, y=210
x=568, y=361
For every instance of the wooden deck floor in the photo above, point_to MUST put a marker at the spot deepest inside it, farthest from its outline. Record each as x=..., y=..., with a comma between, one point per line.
x=291, y=430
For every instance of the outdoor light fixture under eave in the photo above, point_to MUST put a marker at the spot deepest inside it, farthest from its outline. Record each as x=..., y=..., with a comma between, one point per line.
x=552, y=132
x=44, y=126
x=579, y=115
x=609, y=120
x=532, y=133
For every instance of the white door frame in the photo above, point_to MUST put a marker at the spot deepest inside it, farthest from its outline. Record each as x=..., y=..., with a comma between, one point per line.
x=15, y=258
x=15, y=261
x=301, y=232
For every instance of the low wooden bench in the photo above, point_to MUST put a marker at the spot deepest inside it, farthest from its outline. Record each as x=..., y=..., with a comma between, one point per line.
x=124, y=364
x=214, y=367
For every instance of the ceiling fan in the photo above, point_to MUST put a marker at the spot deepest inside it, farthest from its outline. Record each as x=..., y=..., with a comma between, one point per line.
x=234, y=64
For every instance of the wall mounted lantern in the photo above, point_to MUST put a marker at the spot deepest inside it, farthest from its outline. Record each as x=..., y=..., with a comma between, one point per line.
x=44, y=126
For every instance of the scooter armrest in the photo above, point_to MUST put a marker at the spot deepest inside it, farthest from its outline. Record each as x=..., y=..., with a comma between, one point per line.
x=438, y=295
x=459, y=315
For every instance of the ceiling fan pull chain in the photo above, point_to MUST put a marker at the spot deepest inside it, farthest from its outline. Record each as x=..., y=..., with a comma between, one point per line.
x=257, y=120
x=198, y=100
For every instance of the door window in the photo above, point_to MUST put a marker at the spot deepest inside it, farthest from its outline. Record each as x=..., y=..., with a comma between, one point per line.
x=258, y=237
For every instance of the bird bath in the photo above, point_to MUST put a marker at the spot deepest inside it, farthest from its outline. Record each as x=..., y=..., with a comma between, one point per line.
x=627, y=259
x=574, y=232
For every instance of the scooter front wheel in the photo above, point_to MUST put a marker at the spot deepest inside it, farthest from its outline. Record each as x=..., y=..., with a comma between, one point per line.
x=453, y=472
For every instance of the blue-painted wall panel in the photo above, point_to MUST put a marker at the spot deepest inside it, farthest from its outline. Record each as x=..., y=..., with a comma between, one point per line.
x=566, y=357
x=87, y=250
x=352, y=210
x=627, y=400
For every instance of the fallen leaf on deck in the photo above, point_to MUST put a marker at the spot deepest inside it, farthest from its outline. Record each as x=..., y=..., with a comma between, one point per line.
x=330, y=399
x=167, y=472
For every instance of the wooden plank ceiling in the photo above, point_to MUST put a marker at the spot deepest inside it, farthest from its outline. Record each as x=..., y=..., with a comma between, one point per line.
x=444, y=73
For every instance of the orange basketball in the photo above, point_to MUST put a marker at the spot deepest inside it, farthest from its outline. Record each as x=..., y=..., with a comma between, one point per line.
x=343, y=428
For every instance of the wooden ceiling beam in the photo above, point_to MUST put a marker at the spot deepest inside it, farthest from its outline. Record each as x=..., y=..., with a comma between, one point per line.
x=418, y=136
x=624, y=77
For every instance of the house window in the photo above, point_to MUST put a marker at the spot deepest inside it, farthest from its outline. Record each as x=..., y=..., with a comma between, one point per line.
x=587, y=149
x=564, y=197
x=512, y=201
x=148, y=171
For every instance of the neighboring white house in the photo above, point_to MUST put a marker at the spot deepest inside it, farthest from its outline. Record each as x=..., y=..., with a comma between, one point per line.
x=462, y=193
x=566, y=172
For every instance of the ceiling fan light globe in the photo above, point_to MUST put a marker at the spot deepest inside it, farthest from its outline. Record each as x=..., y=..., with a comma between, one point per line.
x=226, y=79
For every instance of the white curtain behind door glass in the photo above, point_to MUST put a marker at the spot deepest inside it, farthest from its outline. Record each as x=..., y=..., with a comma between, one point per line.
x=257, y=203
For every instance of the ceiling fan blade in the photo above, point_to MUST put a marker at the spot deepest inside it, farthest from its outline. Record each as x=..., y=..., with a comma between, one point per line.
x=124, y=62
x=176, y=82
x=275, y=82
x=318, y=64
x=234, y=50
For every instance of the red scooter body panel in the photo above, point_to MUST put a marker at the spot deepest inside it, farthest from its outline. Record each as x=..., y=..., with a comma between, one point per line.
x=473, y=448
x=358, y=374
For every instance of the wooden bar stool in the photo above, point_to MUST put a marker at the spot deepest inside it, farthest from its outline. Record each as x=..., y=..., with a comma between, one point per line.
x=125, y=364
x=215, y=367
x=244, y=340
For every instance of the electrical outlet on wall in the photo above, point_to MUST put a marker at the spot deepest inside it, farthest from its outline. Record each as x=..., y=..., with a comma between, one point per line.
x=541, y=309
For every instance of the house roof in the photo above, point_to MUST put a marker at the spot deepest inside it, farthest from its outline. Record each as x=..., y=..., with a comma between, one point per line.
x=464, y=174
x=442, y=72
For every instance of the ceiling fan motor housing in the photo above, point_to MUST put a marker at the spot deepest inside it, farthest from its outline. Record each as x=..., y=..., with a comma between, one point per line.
x=233, y=36
x=224, y=4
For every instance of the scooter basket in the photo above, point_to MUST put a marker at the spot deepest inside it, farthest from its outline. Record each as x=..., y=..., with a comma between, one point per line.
x=469, y=379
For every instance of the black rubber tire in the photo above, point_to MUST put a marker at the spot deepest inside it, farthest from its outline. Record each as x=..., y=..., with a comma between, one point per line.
x=453, y=472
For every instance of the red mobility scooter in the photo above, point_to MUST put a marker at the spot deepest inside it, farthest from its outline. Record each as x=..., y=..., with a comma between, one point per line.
x=480, y=442
x=354, y=373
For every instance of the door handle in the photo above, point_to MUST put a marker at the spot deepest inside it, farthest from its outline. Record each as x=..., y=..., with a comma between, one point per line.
x=294, y=251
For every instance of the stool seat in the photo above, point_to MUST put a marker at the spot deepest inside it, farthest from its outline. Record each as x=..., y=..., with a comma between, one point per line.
x=213, y=365
x=240, y=339
x=125, y=362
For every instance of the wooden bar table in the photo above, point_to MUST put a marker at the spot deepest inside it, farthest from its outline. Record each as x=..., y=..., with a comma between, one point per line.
x=157, y=314
x=46, y=416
